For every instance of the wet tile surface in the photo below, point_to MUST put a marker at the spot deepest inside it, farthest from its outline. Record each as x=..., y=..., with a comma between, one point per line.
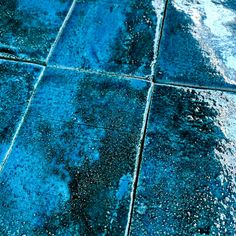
x=187, y=179
x=116, y=36
x=29, y=27
x=16, y=84
x=198, y=43
x=71, y=169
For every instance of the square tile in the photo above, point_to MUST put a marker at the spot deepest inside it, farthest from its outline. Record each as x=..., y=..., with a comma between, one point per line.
x=187, y=179
x=16, y=85
x=198, y=44
x=71, y=168
x=115, y=36
x=29, y=27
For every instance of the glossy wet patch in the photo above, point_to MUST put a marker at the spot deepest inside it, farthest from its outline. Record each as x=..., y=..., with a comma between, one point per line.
x=115, y=36
x=198, y=44
x=187, y=179
x=16, y=85
x=29, y=27
x=71, y=169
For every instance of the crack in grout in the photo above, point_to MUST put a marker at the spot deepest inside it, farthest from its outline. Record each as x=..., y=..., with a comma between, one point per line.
x=158, y=36
x=23, y=117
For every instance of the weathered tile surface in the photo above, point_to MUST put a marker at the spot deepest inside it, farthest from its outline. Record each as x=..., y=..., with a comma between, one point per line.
x=198, y=43
x=187, y=180
x=29, y=27
x=116, y=36
x=71, y=169
x=16, y=85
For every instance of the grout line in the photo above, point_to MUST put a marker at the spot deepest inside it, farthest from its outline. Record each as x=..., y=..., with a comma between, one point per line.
x=106, y=73
x=61, y=30
x=8, y=153
x=158, y=36
x=159, y=33
x=21, y=122
x=21, y=60
x=139, y=158
x=192, y=86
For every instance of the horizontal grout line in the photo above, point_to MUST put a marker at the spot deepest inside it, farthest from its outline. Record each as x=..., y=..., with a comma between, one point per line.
x=111, y=74
x=102, y=72
x=21, y=60
x=176, y=84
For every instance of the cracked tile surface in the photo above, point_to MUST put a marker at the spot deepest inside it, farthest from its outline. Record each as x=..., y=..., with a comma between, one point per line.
x=115, y=36
x=198, y=44
x=16, y=85
x=29, y=27
x=71, y=169
x=187, y=178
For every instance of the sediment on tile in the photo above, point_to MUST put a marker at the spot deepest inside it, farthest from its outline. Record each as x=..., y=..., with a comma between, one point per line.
x=88, y=170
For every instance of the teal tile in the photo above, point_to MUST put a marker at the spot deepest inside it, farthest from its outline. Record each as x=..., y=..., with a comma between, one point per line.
x=187, y=178
x=16, y=85
x=198, y=44
x=71, y=168
x=29, y=27
x=115, y=36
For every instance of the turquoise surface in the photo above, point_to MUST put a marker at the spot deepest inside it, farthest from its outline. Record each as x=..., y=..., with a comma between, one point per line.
x=117, y=117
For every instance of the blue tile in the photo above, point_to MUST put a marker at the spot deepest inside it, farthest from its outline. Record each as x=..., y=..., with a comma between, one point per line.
x=116, y=36
x=198, y=44
x=187, y=179
x=71, y=169
x=29, y=27
x=16, y=85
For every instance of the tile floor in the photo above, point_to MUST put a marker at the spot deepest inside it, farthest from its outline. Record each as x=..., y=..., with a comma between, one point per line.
x=117, y=117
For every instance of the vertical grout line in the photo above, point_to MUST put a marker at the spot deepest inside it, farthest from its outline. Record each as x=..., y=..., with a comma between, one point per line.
x=8, y=153
x=159, y=29
x=157, y=40
x=61, y=30
x=139, y=157
x=21, y=122
x=158, y=35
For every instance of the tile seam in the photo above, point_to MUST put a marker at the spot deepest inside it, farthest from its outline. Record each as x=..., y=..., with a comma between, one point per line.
x=139, y=158
x=23, y=117
x=158, y=38
x=192, y=86
x=101, y=72
x=158, y=35
x=60, y=31
x=22, y=60
x=8, y=153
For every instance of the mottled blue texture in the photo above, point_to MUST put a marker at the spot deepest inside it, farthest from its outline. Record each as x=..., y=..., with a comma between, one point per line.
x=75, y=130
x=116, y=36
x=16, y=85
x=187, y=179
x=198, y=44
x=29, y=27
x=70, y=172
